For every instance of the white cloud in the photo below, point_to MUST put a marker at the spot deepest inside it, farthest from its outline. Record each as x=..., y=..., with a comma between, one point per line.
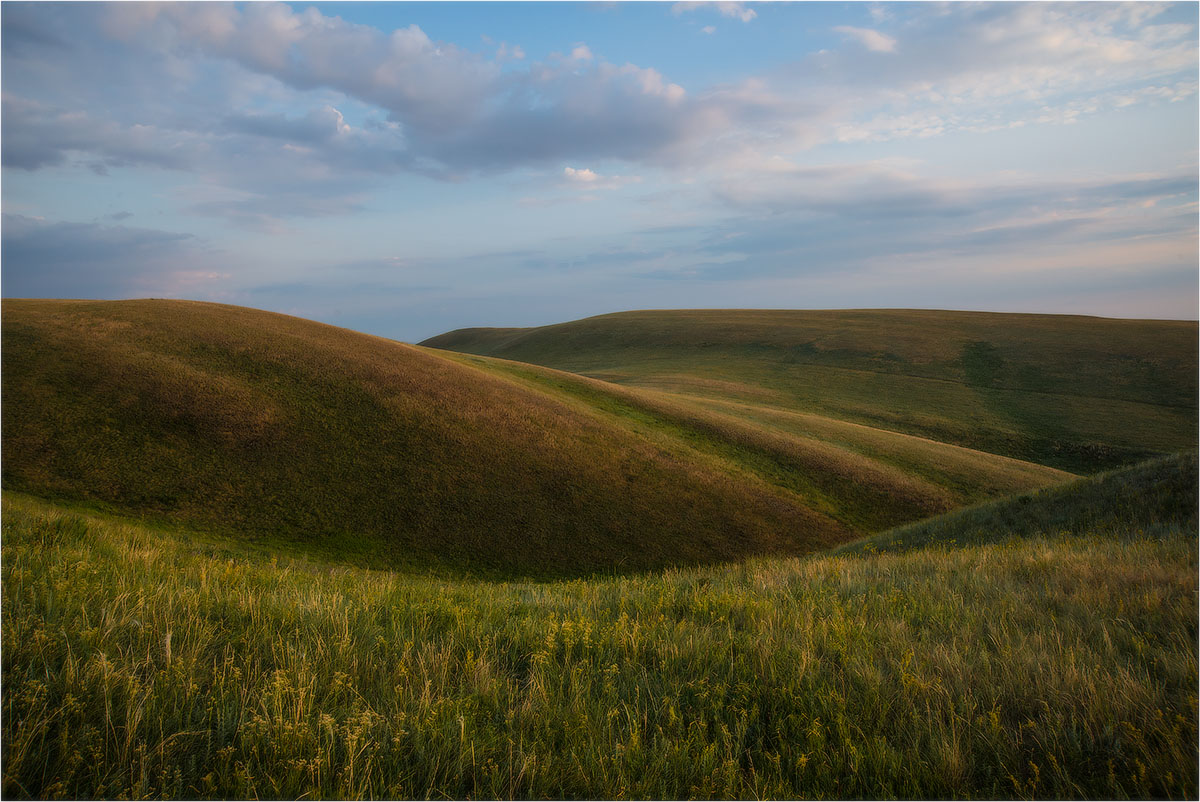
x=709, y=29
x=504, y=52
x=870, y=39
x=586, y=177
x=412, y=104
x=459, y=112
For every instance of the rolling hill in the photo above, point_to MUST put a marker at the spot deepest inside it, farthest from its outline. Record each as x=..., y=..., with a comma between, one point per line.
x=1078, y=393
x=342, y=444
x=1154, y=499
x=185, y=482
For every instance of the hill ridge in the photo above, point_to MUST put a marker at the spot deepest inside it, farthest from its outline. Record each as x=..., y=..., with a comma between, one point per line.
x=1076, y=392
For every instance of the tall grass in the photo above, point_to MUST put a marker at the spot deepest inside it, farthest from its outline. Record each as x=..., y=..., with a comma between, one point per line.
x=1157, y=497
x=137, y=663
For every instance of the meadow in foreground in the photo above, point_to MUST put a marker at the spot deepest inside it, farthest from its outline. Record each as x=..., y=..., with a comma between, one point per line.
x=143, y=663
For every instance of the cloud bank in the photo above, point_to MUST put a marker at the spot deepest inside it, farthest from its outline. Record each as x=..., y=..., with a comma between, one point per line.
x=256, y=123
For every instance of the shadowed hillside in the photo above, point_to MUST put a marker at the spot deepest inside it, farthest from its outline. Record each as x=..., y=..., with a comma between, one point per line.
x=1078, y=393
x=867, y=478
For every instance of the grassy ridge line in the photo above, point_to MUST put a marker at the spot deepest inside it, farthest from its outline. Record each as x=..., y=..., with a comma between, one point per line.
x=1156, y=498
x=1074, y=433
x=356, y=448
x=970, y=475
x=668, y=429
x=1078, y=393
x=860, y=491
x=1064, y=353
x=138, y=664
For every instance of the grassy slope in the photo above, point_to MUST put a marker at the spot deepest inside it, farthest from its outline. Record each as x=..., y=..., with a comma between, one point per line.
x=362, y=448
x=141, y=663
x=867, y=478
x=276, y=427
x=1078, y=393
x=1151, y=499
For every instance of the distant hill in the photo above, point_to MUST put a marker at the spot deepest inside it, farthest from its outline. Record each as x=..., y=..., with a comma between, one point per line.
x=1078, y=393
x=296, y=433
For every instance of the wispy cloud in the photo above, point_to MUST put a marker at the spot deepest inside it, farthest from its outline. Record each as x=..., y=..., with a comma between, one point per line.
x=870, y=39
x=591, y=180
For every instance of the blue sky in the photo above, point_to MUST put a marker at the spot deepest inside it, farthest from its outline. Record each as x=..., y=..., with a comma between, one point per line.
x=409, y=168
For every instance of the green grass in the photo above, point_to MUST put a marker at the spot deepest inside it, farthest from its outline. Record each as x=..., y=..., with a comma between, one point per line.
x=189, y=608
x=1153, y=499
x=1077, y=393
x=321, y=441
x=149, y=663
x=895, y=479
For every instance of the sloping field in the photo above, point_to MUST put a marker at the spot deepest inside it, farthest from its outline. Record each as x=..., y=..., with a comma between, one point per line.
x=1078, y=393
x=352, y=446
x=274, y=427
x=868, y=478
x=142, y=663
x=1157, y=498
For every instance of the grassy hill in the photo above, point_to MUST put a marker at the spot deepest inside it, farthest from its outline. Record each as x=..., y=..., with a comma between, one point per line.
x=145, y=663
x=274, y=427
x=180, y=619
x=350, y=446
x=1157, y=498
x=866, y=478
x=1078, y=393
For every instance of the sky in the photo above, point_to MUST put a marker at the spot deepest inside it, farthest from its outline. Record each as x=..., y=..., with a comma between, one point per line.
x=409, y=168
